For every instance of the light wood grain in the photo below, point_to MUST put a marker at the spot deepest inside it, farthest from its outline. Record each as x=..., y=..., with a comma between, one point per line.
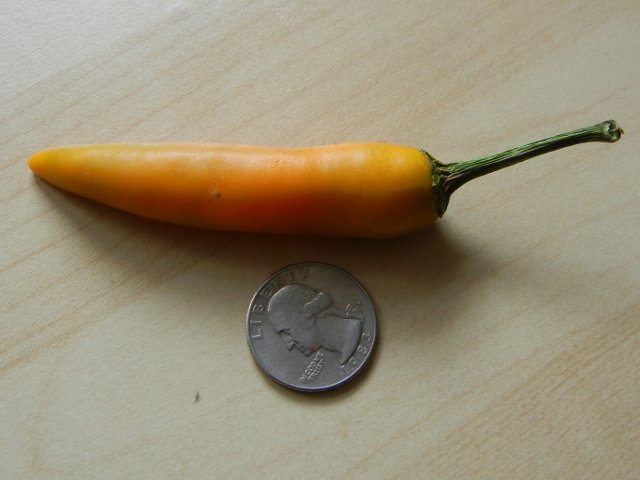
x=509, y=334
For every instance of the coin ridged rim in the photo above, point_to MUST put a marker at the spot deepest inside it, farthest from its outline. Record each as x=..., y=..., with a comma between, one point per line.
x=323, y=388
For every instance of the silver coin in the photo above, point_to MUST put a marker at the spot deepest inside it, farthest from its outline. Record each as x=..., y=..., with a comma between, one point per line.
x=311, y=327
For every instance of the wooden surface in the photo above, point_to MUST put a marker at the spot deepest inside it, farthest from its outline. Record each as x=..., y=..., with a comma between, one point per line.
x=509, y=339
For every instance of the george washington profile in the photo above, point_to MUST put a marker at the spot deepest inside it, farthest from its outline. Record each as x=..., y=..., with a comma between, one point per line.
x=307, y=320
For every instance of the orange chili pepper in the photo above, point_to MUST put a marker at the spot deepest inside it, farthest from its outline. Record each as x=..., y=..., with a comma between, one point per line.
x=355, y=190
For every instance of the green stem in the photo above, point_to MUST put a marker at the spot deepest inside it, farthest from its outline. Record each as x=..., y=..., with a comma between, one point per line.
x=447, y=178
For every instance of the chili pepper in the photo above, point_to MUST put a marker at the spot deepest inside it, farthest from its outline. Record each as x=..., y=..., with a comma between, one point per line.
x=356, y=190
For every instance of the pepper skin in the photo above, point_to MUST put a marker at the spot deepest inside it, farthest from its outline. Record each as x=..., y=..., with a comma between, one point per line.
x=354, y=190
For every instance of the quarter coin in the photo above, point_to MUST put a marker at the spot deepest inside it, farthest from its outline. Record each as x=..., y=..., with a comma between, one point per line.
x=311, y=327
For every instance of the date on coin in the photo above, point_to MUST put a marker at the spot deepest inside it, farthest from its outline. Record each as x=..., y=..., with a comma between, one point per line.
x=311, y=327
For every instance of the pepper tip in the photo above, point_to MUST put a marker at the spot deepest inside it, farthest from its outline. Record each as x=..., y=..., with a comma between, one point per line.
x=35, y=162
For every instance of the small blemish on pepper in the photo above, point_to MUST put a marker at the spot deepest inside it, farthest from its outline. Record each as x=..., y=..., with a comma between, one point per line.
x=214, y=195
